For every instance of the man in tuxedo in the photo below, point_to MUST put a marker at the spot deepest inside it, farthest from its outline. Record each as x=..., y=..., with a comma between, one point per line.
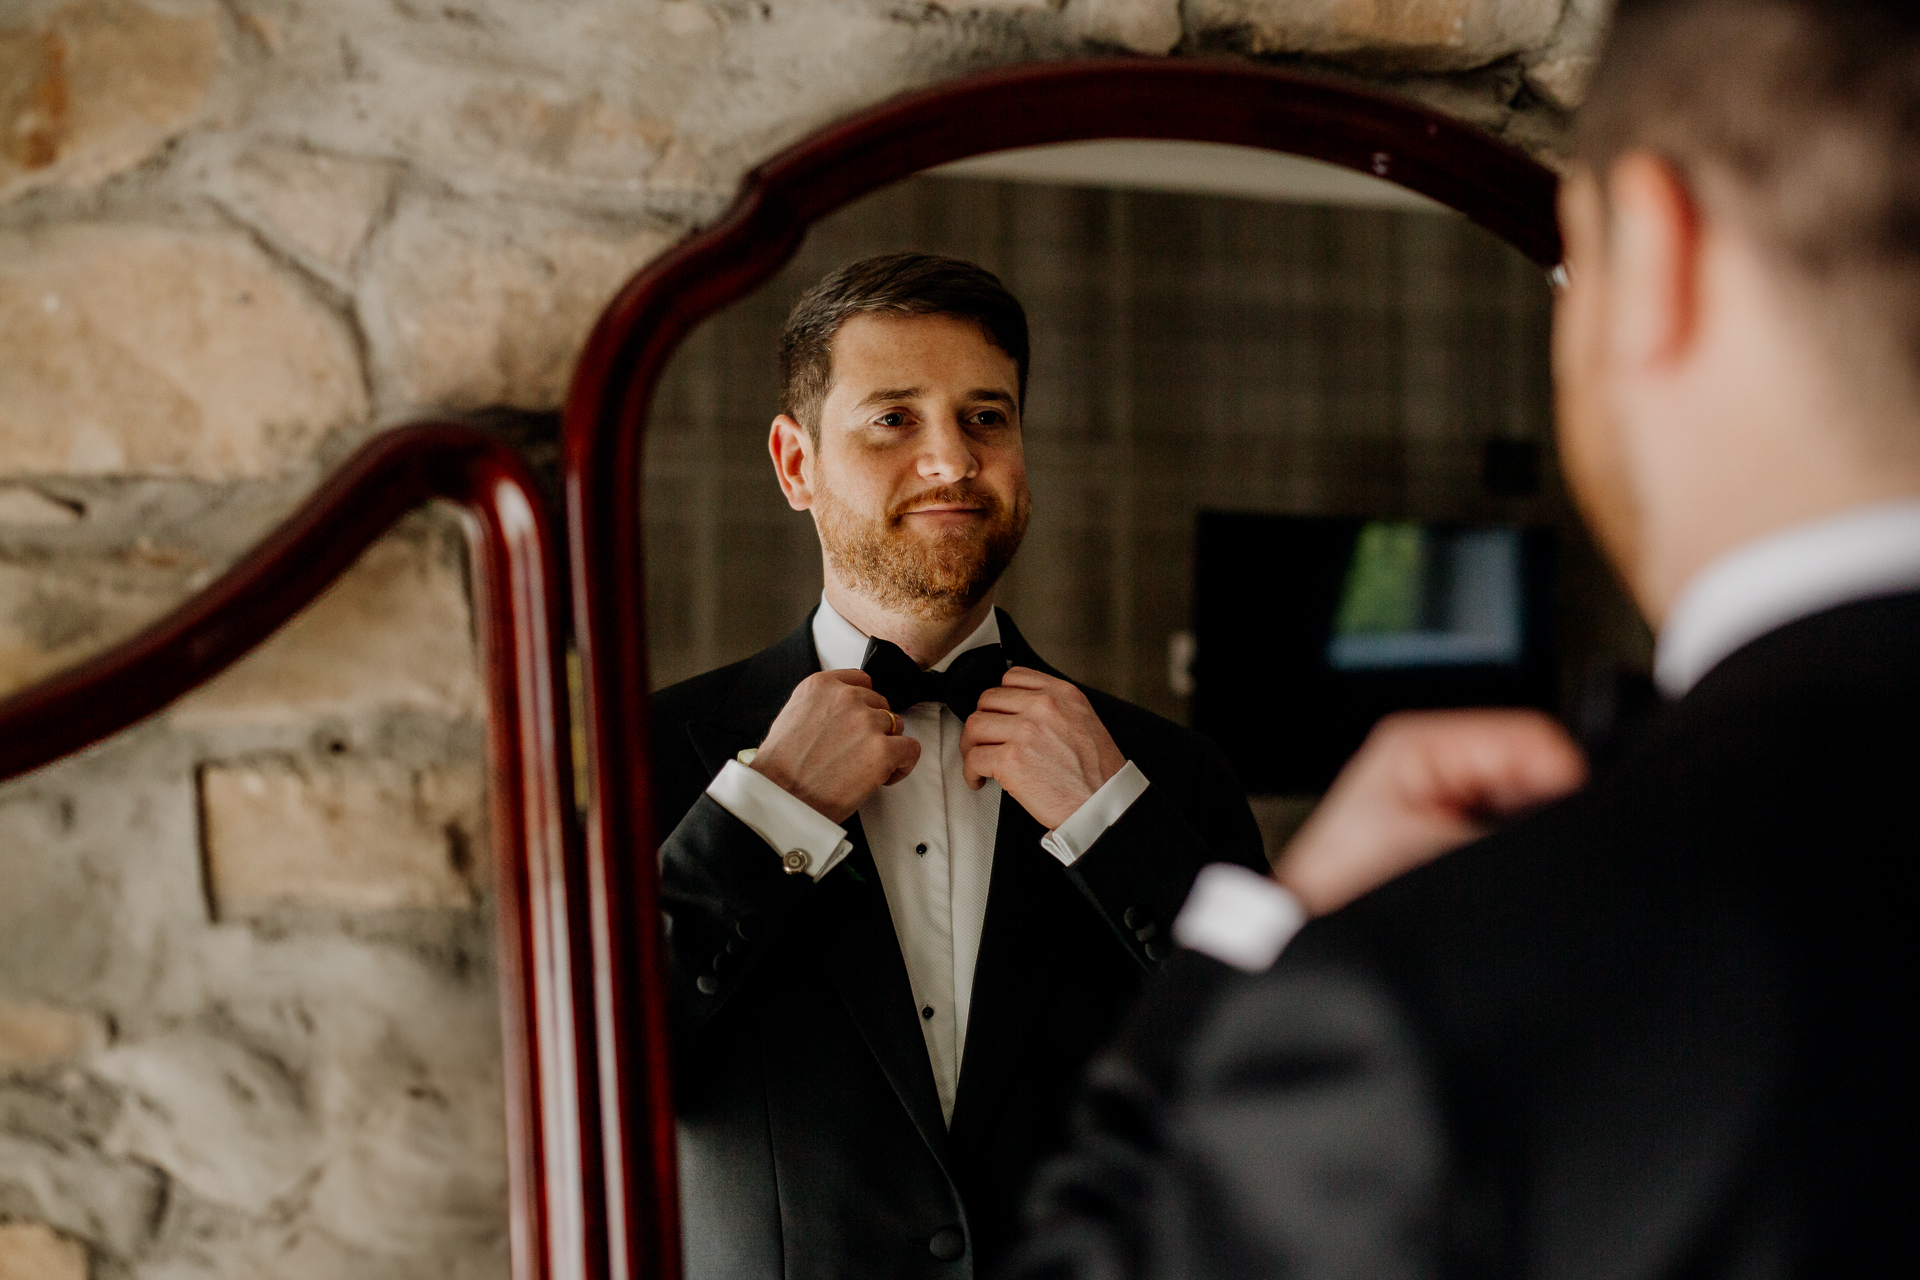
x=1666, y=1026
x=914, y=873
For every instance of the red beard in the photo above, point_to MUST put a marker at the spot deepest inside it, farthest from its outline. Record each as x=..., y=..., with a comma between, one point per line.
x=937, y=577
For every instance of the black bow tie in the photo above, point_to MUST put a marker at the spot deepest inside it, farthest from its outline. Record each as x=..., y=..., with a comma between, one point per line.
x=899, y=679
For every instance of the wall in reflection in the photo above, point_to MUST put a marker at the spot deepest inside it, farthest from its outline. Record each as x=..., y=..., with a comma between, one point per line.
x=1191, y=353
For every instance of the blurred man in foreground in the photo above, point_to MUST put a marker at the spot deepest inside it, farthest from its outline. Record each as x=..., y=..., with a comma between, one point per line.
x=1663, y=1028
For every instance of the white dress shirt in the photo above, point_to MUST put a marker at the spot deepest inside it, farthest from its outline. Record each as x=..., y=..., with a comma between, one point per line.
x=932, y=840
x=1246, y=920
x=1782, y=577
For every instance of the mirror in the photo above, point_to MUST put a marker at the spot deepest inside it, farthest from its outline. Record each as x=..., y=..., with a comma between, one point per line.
x=1288, y=436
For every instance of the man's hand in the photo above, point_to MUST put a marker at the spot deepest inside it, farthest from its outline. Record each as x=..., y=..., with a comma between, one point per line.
x=1422, y=783
x=835, y=742
x=1039, y=738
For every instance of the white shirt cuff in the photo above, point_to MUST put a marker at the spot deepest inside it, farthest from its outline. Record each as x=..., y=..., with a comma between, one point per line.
x=786, y=822
x=1072, y=838
x=1239, y=917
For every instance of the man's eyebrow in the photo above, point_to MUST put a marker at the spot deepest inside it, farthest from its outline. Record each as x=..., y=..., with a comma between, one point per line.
x=892, y=393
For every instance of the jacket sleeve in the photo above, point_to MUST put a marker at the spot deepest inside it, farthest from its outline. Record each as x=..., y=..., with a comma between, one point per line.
x=1277, y=1125
x=1138, y=873
x=724, y=899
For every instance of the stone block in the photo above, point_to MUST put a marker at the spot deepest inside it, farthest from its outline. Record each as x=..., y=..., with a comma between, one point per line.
x=141, y=350
x=33, y=1035
x=467, y=307
x=52, y=615
x=327, y=1083
x=1434, y=35
x=393, y=632
x=98, y=86
x=317, y=207
x=359, y=835
x=30, y=1251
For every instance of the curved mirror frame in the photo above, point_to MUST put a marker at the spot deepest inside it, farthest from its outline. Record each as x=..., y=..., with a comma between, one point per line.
x=541, y=950
x=608, y=404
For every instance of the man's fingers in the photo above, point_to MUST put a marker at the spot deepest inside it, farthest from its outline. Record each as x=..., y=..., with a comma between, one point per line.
x=986, y=728
x=1007, y=700
x=905, y=753
x=850, y=675
x=981, y=763
x=1493, y=762
x=1028, y=678
x=1422, y=783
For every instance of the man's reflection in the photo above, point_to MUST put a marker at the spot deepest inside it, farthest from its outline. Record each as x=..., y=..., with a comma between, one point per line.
x=919, y=872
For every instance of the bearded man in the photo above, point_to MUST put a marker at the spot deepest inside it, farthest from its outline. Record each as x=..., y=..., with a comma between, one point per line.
x=920, y=873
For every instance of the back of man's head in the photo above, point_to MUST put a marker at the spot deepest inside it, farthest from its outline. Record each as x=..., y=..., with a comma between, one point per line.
x=1799, y=121
x=901, y=284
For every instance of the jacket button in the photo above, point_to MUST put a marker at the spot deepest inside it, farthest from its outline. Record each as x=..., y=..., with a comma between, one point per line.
x=1132, y=917
x=707, y=983
x=746, y=928
x=1146, y=931
x=1155, y=951
x=722, y=962
x=947, y=1244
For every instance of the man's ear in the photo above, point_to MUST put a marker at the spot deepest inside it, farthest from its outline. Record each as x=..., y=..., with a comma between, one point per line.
x=1653, y=262
x=792, y=450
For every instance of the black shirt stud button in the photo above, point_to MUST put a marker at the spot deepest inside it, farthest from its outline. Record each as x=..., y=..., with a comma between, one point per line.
x=920, y=849
x=927, y=1013
x=707, y=983
x=947, y=1244
x=1132, y=917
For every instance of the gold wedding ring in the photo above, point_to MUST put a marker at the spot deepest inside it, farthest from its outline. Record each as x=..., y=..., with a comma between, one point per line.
x=893, y=722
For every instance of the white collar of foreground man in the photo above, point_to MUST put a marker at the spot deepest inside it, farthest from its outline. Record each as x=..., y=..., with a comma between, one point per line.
x=842, y=645
x=1782, y=577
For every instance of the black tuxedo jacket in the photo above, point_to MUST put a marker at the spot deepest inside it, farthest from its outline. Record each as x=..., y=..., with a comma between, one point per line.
x=1663, y=1029
x=811, y=1139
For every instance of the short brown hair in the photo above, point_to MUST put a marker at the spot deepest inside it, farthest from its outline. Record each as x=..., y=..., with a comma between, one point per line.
x=903, y=284
x=1799, y=120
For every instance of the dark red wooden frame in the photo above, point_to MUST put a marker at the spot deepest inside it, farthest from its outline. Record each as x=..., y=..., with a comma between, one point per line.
x=544, y=959
x=1193, y=100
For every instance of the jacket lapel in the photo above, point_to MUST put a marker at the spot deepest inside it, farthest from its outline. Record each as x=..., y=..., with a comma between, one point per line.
x=1007, y=996
x=1007, y=990
x=871, y=978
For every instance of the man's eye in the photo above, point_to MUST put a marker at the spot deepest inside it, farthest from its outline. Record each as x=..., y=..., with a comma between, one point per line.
x=989, y=418
x=894, y=419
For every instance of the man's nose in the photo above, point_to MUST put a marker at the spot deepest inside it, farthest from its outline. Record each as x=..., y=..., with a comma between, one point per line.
x=948, y=456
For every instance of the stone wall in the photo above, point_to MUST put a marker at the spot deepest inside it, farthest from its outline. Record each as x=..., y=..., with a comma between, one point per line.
x=246, y=996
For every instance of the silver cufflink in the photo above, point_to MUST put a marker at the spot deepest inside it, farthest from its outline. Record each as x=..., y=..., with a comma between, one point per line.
x=795, y=861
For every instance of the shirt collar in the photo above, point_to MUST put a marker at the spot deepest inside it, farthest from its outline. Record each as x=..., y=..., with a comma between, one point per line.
x=841, y=645
x=1782, y=577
